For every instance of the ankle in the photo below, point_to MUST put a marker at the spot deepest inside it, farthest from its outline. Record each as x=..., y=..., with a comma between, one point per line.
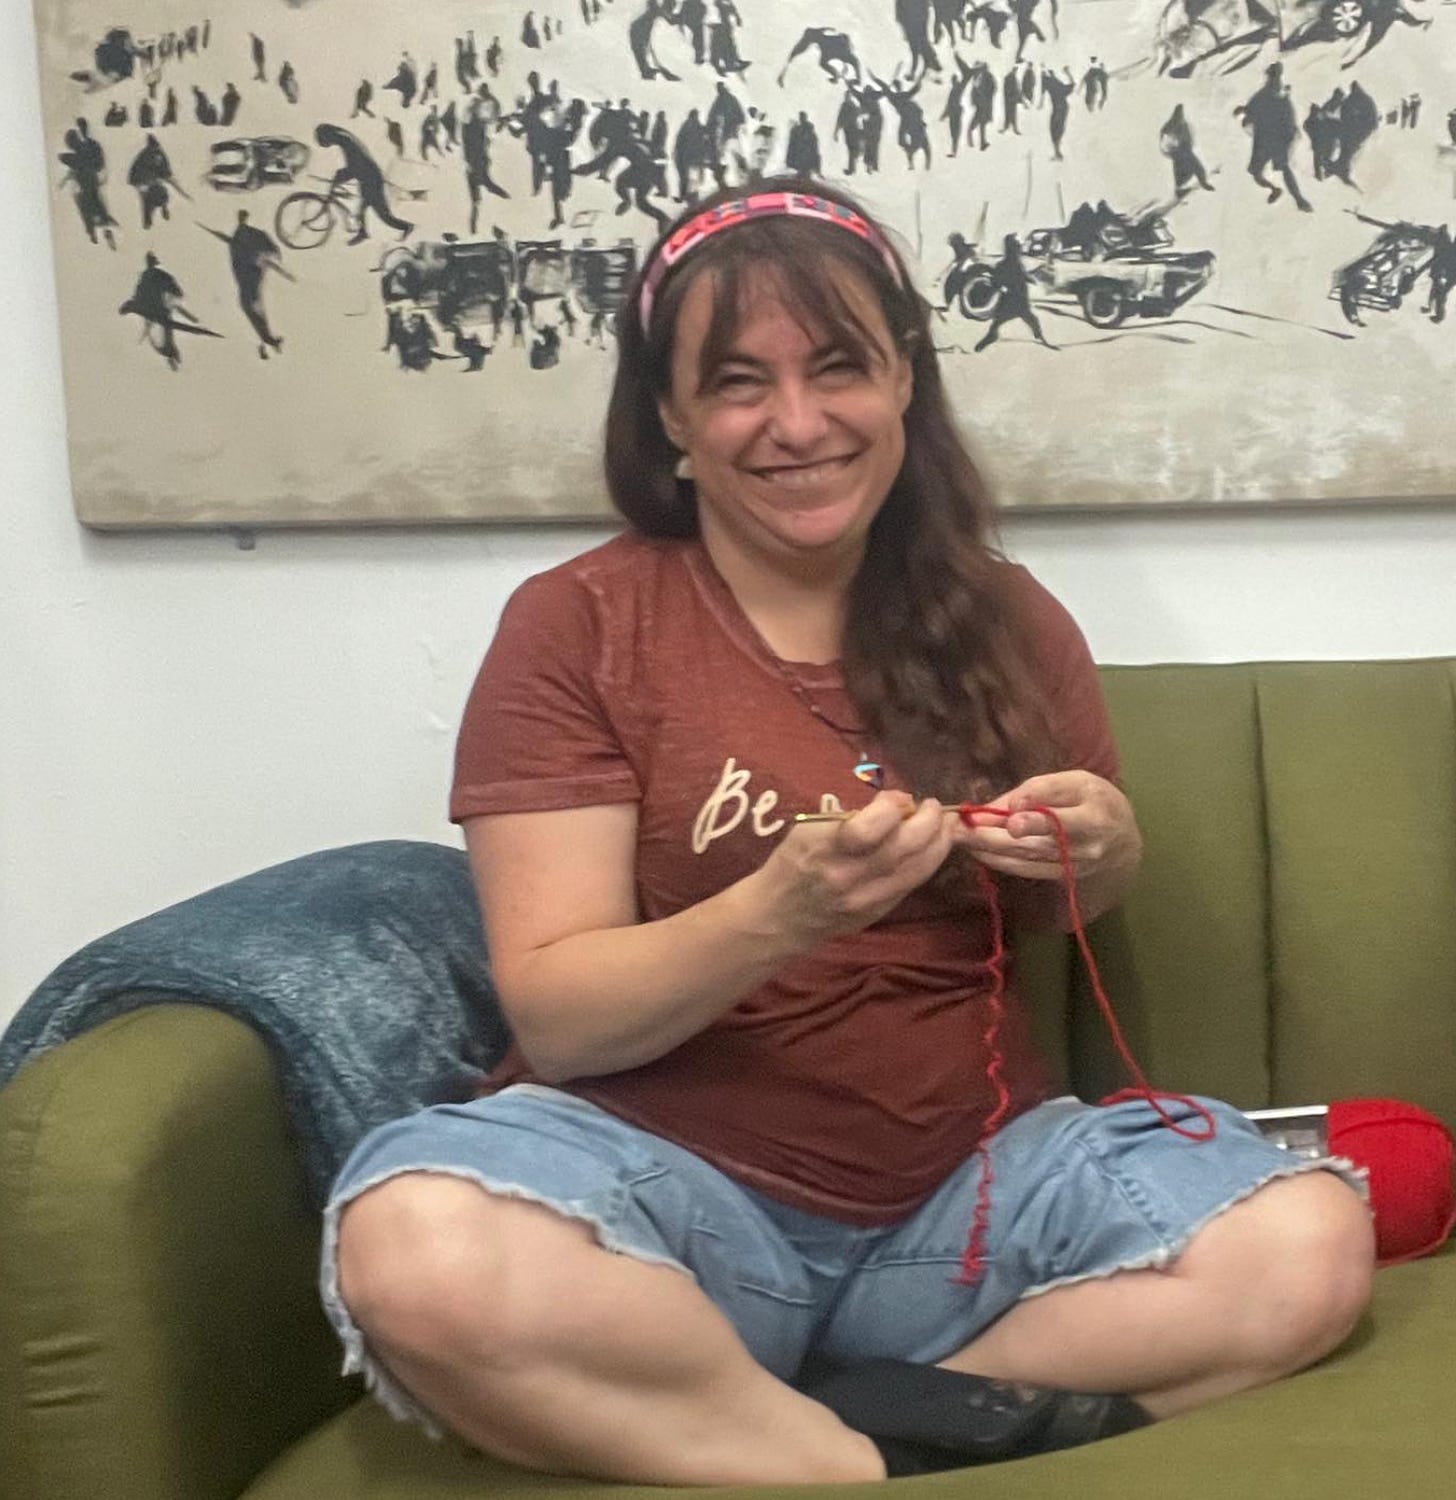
x=863, y=1459
x=933, y=1418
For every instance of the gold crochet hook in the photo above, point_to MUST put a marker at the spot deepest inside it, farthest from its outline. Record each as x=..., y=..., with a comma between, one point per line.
x=838, y=817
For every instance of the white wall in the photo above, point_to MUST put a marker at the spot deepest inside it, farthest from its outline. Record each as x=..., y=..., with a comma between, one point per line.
x=175, y=711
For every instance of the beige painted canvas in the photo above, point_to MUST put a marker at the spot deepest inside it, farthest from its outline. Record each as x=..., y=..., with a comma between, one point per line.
x=357, y=261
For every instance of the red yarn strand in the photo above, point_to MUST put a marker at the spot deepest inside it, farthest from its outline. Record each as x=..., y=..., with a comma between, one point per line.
x=973, y=1259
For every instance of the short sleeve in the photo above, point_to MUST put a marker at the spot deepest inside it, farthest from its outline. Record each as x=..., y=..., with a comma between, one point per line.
x=536, y=734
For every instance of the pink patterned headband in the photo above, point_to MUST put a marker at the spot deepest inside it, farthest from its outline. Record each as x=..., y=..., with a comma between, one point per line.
x=756, y=206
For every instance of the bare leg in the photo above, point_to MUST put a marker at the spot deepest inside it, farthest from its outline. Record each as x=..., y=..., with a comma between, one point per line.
x=1269, y=1286
x=519, y=1332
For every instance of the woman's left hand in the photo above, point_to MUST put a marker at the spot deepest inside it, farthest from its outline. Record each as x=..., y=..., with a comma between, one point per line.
x=1101, y=831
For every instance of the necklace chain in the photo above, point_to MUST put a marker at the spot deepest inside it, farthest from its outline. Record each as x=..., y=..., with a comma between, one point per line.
x=850, y=735
x=871, y=772
x=865, y=769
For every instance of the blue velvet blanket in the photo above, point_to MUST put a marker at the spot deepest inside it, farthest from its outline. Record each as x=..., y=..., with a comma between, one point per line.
x=363, y=968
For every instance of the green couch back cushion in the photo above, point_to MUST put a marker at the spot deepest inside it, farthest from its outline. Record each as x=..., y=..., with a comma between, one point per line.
x=1292, y=936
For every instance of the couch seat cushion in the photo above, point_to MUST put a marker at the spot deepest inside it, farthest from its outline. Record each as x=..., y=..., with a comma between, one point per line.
x=1375, y=1415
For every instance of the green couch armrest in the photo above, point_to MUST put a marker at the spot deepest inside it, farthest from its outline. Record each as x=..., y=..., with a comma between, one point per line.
x=159, y=1339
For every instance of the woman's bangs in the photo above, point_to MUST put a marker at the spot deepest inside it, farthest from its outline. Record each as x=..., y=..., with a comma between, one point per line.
x=802, y=276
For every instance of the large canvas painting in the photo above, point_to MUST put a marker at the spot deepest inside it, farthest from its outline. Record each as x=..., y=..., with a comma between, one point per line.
x=357, y=260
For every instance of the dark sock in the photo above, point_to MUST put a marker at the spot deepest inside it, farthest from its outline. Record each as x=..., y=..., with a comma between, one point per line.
x=948, y=1419
x=903, y=1459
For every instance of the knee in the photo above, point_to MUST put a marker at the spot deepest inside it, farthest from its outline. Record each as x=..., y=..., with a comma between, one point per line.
x=1317, y=1253
x=427, y=1265
x=405, y=1268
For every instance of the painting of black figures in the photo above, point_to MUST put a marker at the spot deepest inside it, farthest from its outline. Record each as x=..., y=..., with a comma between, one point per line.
x=358, y=260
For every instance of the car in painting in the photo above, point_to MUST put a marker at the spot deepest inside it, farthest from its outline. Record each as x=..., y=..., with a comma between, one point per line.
x=1111, y=266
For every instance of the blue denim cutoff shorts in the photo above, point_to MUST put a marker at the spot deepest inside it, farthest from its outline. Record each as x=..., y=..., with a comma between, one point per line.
x=1078, y=1191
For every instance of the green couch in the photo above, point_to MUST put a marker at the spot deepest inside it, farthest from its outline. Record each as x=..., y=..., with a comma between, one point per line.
x=1292, y=939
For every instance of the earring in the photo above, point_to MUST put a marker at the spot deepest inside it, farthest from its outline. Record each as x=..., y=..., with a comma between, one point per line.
x=684, y=466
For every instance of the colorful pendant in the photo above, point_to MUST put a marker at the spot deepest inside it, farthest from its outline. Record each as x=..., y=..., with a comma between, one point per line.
x=871, y=772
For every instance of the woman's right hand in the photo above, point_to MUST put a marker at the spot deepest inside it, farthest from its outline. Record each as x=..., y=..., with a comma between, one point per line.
x=828, y=879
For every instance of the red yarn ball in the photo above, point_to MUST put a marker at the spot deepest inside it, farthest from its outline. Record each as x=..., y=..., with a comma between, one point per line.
x=1408, y=1154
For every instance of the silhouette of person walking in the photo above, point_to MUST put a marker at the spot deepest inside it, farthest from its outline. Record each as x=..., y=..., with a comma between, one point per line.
x=252, y=253
x=475, y=146
x=1013, y=296
x=430, y=134
x=1010, y=102
x=1270, y=115
x=1442, y=272
x=1359, y=118
x=1059, y=91
x=361, y=168
x=691, y=149
x=639, y=38
x=723, y=52
x=151, y=175
x=1175, y=141
x=406, y=81
x=983, y=103
x=1322, y=130
x=912, y=135
x=802, y=151
x=849, y=127
x=157, y=301
x=1094, y=85
x=641, y=176
x=725, y=118
x=613, y=133
x=467, y=61
x=914, y=20
x=1026, y=26
x=871, y=124
x=557, y=136
x=85, y=164
x=954, y=112
x=231, y=102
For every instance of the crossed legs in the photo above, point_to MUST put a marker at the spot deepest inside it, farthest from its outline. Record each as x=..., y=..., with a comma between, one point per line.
x=531, y=1342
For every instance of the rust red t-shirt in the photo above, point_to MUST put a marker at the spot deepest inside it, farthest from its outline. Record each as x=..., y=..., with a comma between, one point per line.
x=855, y=1080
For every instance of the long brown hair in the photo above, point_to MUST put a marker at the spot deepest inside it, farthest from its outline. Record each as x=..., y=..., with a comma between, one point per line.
x=930, y=655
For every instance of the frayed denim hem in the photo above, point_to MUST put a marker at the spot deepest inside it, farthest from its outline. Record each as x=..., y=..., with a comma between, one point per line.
x=357, y=1358
x=1156, y=1260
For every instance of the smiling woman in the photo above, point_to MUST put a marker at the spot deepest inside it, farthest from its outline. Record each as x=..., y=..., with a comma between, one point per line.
x=702, y=1223
x=793, y=440
x=785, y=340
